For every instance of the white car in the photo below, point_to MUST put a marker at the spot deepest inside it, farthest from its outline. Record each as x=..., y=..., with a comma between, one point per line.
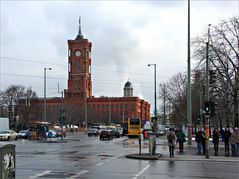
x=8, y=135
x=120, y=130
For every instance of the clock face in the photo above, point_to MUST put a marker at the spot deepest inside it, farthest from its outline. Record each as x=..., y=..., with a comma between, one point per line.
x=77, y=53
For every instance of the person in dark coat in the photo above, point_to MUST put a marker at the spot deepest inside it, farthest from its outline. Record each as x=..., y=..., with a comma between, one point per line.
x=199, y=140
x=180, y=139
x=215, y=140
x=203, y=143
x=227, y=135
x=233, y=142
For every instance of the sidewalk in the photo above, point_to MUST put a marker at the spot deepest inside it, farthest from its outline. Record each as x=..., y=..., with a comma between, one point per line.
x=189, y=154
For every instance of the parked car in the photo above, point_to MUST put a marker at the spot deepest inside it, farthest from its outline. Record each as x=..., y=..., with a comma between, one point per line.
x=105, y=134
x=60, y=132
x=120, y=130
x=115, y=133
x=8, y=135
x=159, y=133
x=51, y=134
x=93, y=132
x=23, y=134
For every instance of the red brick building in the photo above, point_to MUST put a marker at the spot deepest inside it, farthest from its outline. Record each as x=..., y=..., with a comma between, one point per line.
x=79, y=103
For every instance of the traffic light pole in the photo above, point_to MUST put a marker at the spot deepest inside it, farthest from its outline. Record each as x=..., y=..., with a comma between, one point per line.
x=207, y=98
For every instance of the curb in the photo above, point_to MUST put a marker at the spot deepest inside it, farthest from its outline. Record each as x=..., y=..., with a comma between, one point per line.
x=144, y=156
x=53, y=141
x=160, y=156
x=199, y=158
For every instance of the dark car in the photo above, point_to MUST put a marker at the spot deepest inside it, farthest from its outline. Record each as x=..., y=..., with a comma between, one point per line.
x=23, y=134
x=105, y=134
x=115, y=133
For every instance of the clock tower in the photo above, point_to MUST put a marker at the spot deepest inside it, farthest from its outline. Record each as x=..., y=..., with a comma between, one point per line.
x=79, y=68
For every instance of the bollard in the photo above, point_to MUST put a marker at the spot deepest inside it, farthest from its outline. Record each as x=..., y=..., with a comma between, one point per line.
x=150, y=146
x=8, y=161
x=139, y=144
x=154, y=145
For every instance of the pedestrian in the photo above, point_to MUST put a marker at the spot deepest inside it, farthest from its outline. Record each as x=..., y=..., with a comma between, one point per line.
x=227, y=135
x=233, y=142
x=203, y=143
x=237, y=141
x=181, y=139
x=215, y=140
x=199, y=140
x=171, y=141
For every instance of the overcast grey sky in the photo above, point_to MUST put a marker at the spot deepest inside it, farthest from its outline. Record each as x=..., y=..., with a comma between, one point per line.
x=126, y=36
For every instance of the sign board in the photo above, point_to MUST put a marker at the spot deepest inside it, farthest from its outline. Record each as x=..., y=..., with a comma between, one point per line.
x=143, y=122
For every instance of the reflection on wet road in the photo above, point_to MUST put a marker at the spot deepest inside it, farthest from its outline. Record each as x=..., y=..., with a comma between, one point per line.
x=88, y=157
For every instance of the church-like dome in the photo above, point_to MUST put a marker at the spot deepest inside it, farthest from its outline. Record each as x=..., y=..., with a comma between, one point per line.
x=128, y=89
x=128, y=85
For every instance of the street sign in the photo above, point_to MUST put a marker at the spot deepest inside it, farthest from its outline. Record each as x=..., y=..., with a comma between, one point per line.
x=143, y=122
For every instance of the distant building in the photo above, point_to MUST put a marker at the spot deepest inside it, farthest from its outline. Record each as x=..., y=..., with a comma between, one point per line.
x=79, y=103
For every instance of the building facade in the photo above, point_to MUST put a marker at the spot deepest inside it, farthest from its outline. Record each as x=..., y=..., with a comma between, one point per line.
x=79, y=105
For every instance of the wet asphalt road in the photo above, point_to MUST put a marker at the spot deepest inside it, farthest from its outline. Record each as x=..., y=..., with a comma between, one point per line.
x=88, y=157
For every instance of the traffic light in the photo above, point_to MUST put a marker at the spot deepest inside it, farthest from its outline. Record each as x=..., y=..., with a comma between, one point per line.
x=212, y=76
x=213, y=106
x=207, y=107
x=198, y=119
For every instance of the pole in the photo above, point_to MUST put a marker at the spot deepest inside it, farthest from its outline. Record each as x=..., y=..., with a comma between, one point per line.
x=189, y=100
x=109, y=111
x=62, y=114
x=207, y=96
x=155, y=95
x=207, y=99
x=44, y=94
x=164, y=110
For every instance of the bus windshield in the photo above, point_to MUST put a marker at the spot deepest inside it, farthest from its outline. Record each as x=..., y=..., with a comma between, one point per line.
x=134, y=122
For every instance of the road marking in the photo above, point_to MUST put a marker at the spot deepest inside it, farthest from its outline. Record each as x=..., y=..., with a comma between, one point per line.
x=98, y=164
x=40, y=174
x=141, y=172
x=114, y=157
x=78, y=174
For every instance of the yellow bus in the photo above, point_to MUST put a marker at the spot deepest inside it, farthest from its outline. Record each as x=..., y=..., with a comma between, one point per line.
x=134, y=126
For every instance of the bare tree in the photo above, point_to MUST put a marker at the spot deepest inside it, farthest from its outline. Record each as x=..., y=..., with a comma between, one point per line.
x=224, y=59
x=175, y=98
x=9, y=100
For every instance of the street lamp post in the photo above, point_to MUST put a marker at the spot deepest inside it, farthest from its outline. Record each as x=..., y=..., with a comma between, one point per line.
x=45, y=92
x=155, y=95
x=207, y=95
x=164, y=110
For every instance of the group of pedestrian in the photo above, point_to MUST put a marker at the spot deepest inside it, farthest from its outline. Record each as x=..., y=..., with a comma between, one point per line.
x=173, y=139
x=42, y=132
x=230, y=138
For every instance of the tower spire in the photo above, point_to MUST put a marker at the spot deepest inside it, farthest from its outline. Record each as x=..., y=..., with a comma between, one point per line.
x=79, y=36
